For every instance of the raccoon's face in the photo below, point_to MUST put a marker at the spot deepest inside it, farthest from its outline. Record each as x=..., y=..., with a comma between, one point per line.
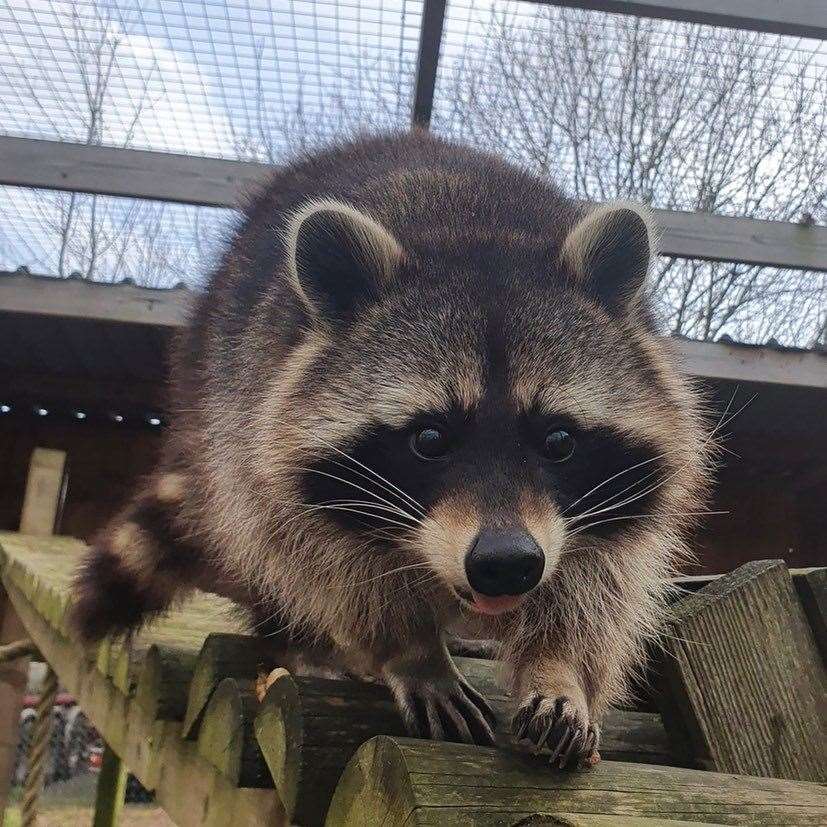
x=485, y=424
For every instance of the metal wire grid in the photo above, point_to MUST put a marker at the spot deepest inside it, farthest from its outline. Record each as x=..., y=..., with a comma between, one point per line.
x=109, y=239
x=473, y=55
x=244, y=80
x=224, y=78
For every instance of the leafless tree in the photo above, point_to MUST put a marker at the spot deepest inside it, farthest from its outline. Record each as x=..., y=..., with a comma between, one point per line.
x=103, y=238
x=372, y=94
x=682, y=117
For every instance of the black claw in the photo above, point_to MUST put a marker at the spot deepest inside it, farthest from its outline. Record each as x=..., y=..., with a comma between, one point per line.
x=559, y=734
x=419, y=717
x=481, y=704
x=590, y=742
x=477, y=723
x=523, y=718
x=565, y=757
x=562, y=744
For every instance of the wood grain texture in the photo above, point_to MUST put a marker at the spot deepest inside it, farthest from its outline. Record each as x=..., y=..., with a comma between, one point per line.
x=111, y=790
x=812, y=592
x=45, y=490
x=224, y=656
x=402, y=781
x=79, y=299
x=180, y=671
x=192, y=791
x=214, y=182
x=328, y=720
x=226, y=738
x=799, y=18
x=745, y=685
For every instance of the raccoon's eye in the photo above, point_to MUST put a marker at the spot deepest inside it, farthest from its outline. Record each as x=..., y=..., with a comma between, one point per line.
x=559, y=445
x=430, y=443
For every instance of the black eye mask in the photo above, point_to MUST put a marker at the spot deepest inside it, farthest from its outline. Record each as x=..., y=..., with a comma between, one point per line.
x=391, y=477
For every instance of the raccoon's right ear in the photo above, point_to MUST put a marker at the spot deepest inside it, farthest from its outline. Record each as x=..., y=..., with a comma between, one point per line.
x=339, y=258
x=608, y=252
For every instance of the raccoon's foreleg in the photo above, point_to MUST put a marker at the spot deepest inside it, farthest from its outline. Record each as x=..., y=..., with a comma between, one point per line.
x=554, y=712
x=138, y=565
x=433, y=697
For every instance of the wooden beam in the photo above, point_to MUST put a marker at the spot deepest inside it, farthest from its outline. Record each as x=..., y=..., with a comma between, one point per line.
x=45, y=492
x=430, y=38
x=42, y=503
x=170, y=308
x=812, y=592
x=13, y=679
x=748, y=240
x=411, y=782
x=79, y=299
x=744, y=681
x=111, y=790
x=737, y=363
x=798, y=18
x=131, y=173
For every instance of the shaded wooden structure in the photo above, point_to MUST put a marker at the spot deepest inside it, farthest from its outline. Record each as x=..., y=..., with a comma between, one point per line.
x=77, y=348
x=178, y=705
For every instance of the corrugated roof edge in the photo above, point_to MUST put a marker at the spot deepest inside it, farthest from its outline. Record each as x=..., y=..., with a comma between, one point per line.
x=181, y=287
x=77, y=276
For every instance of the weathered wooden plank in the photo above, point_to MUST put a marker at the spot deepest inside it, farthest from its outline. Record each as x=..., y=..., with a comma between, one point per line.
x=812, y=592
x=329, y=720
x=689, y=584
x=13, y=677
x=187, y=786
x=750, y=240
x=745, y=685
x=131, y=173
x=213, y=182
x=45, y=490
x=126, y=304
x=163, y=682
x=799, y=18
x=733, y=363
x=226, y=738
x=403, y=781
x=111, y=790
x=224, y=656
x=592, y=820
x=80, y=299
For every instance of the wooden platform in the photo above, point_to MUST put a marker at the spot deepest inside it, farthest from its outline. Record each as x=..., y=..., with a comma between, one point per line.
x=178, y=705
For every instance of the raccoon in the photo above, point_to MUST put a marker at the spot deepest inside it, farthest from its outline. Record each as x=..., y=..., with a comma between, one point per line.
x=423, y=394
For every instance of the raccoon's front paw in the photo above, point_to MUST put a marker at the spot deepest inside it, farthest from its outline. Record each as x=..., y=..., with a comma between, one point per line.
x=560, y=726
x=446, y=708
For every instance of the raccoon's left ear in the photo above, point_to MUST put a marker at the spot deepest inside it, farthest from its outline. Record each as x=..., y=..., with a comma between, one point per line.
x=338, y=258
x=608, y=253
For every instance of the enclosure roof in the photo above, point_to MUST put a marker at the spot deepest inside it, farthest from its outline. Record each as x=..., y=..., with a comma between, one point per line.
x=125, y=329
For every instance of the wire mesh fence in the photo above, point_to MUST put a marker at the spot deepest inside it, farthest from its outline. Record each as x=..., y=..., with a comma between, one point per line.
x=681, y=116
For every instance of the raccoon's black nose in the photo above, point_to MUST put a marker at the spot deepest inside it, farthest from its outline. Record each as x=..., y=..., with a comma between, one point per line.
x=504, y=562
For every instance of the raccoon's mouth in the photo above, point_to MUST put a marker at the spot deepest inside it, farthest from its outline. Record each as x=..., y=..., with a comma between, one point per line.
x=485, y=605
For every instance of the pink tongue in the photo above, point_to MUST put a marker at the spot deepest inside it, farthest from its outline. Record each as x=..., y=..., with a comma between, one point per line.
x=495, y=605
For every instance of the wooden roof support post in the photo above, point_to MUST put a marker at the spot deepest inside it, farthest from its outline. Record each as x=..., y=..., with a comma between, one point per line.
x=45, y=492
x=42, y=503
x=111, y=790
x=430, y=38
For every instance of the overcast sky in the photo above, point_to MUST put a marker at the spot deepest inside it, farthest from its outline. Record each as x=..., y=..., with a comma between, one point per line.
x=199, y=76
